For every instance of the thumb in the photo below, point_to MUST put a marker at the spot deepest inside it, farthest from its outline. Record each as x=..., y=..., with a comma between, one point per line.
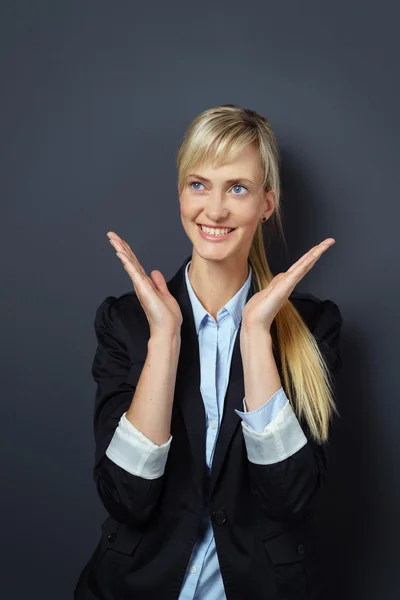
x=159, y=281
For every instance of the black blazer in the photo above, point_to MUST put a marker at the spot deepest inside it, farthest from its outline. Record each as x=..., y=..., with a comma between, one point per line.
x=262, y=515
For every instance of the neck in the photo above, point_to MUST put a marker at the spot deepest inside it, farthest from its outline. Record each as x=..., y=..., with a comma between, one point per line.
x=216, y=282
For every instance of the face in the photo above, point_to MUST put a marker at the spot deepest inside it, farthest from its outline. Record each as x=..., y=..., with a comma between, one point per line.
x=230, y=196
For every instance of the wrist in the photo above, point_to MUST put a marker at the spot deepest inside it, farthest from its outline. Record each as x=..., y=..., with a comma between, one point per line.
x=162, y=338
x=255, y=332
x=255, y=342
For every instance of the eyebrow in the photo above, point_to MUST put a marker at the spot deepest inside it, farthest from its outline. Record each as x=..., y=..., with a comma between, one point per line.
x=236, y=180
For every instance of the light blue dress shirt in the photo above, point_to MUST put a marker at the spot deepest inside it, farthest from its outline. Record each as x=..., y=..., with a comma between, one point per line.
x=203, y=579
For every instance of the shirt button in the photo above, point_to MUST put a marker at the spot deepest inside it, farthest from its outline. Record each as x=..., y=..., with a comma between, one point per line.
x=213, y=424
x=193, y=569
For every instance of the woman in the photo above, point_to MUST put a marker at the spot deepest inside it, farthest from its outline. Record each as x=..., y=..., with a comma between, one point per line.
x=215, y=394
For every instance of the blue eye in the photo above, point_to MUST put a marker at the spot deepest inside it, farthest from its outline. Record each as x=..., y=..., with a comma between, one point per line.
x=195, y=182
x=239, y=186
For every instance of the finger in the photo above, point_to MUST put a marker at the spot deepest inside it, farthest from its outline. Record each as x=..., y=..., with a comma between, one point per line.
x=286, y=282
x=315, y=251
x=298, y=270
x=120, y=244
x=135, y=274
x=117, y=240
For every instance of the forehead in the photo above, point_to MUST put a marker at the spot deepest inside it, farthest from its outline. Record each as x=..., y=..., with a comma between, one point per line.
x=244, y=162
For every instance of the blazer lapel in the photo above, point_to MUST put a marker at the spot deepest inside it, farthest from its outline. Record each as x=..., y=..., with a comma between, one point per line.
x=187, y=389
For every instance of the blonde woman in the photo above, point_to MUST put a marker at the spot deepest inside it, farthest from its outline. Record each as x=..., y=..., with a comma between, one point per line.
x=215, y=393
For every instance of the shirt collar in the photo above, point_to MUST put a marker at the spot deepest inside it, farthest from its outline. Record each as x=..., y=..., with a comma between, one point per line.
x=234, y=306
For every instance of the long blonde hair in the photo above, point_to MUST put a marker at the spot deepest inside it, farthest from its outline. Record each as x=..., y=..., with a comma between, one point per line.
x=216, y=134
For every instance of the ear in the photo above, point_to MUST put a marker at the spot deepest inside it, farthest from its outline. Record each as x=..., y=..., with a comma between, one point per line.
x=270, y=203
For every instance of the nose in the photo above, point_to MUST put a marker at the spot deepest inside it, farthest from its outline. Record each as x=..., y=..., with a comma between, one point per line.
x=215, y=208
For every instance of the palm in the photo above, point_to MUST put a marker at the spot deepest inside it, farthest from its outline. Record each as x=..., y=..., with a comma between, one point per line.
x=165, y=295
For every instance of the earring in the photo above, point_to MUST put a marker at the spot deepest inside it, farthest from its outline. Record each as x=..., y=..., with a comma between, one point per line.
x=264, y=219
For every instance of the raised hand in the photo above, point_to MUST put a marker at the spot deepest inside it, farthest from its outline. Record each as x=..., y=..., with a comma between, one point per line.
x=162, y=310
x=261, y=309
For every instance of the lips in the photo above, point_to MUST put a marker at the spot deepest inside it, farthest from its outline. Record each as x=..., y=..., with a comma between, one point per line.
x=215, y=239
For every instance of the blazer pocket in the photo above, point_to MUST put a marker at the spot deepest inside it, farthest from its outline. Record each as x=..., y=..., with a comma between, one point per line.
x=115, y=554
x=288, y=553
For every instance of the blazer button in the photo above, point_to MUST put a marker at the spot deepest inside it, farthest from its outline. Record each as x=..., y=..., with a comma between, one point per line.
x=301, y=549
x=218, y=517
x=111, y=537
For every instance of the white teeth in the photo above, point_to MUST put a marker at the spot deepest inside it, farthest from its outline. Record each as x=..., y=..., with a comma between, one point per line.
x=215, y=231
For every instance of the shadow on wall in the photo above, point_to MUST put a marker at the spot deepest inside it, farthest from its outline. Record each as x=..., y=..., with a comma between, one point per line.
x=346, y=513
x=346, y=516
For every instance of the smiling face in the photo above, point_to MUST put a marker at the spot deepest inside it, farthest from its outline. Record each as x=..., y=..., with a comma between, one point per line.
x=227, y=196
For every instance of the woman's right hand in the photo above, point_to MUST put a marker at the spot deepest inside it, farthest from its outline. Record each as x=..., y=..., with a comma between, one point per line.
x=162, y=310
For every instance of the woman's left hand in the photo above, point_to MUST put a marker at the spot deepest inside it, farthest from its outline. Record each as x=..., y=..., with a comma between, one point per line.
x=261, y=309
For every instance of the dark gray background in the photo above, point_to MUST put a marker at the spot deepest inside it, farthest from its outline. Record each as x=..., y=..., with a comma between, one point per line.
x=95, y=99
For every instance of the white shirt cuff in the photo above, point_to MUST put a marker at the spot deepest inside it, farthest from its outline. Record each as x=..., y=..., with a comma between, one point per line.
x=281, y=438
x=133, y=451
